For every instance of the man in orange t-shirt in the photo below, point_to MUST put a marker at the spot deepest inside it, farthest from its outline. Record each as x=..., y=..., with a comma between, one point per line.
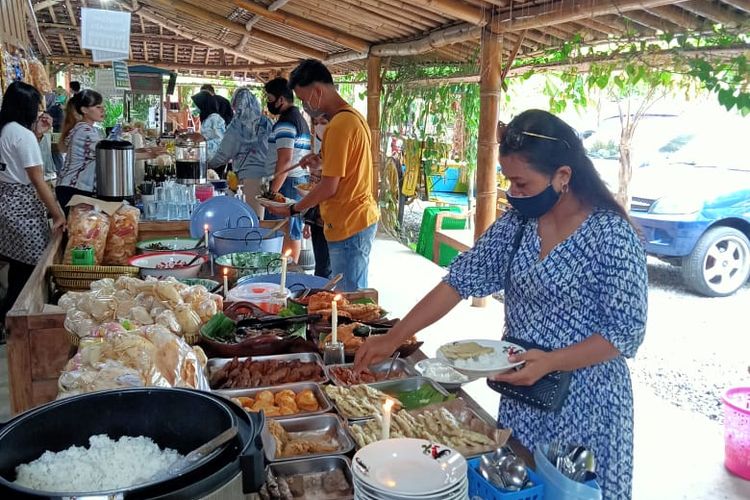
x=344, y=193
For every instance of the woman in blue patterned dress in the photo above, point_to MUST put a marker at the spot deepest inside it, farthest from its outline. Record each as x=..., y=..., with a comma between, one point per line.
x=578, y=288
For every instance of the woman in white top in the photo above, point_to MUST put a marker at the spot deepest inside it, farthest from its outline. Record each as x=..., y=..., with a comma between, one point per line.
x=25, y=199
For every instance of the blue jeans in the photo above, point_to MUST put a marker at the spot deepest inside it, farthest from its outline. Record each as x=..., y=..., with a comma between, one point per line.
x=351, y=257
x=289, y=189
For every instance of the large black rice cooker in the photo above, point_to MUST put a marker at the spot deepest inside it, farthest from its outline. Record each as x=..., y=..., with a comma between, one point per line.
x=180, y=419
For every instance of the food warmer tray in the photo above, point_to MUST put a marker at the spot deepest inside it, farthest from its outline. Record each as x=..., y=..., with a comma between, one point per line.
x=323, y=400
x=400, y=365
x=327, y=423
x=306, y=357
x=314, y=465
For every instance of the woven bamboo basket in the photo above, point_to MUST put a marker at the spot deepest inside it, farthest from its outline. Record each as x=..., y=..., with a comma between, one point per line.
x=76, y=278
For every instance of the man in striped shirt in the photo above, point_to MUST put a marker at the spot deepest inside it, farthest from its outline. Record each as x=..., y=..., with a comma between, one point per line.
x=288, y=143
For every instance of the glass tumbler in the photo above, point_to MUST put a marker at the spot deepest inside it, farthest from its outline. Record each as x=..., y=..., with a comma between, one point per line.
x=333, y=353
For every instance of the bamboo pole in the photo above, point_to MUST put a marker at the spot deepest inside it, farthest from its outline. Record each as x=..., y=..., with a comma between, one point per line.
x=303, y=24
x=374, y=84
x=487, y=154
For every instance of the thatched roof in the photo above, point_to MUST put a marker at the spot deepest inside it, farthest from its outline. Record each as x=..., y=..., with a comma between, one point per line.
x=260, y=37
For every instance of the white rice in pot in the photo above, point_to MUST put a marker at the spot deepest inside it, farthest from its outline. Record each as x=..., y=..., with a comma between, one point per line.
x=105, y=465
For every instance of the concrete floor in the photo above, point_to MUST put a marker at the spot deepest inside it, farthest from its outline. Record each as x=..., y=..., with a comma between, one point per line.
x=678, y=454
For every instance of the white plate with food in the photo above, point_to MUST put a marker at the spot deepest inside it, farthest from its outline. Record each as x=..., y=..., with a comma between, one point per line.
x=276, y=202
x=442, y=373
x=478, y=358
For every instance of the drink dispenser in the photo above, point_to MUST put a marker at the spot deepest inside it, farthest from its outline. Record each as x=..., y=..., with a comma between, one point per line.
x=191, y=158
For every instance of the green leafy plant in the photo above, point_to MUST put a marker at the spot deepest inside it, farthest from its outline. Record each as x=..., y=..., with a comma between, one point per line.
x=637, y=74
x=113, y=113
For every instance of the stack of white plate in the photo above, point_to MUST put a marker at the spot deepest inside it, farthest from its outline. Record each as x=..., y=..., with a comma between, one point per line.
x=409, y=469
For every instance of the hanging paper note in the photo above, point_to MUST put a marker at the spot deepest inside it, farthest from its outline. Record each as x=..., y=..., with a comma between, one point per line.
x=103, y=55
x=106, y=30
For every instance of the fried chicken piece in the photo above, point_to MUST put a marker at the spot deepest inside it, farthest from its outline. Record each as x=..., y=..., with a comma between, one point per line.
x=298, y=447
x=283, y=394
x=322, y=300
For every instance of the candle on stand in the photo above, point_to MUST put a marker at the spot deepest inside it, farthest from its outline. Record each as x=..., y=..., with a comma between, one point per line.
x=335, y=319
x=386, y=427
x=284, y=264
x=205, y=235
x=226, y=282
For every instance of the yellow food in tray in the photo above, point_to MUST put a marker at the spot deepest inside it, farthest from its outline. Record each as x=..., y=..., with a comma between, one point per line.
x=281, y=403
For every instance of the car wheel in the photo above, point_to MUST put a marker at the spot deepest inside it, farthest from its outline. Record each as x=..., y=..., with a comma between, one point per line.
x=719, y=264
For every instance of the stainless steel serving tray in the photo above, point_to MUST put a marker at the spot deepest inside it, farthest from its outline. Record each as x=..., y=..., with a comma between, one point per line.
x=391, y=387
x=327, y=424
x=314, y=465
x=400, y=365
x=305, y=357
x=323, y=401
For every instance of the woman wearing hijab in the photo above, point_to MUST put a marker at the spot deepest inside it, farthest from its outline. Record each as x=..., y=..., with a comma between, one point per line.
x=212, y=124
x=246, y=144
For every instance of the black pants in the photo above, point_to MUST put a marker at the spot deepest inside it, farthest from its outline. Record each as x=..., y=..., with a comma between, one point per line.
x=65, y=193
x=320, y=249
x=18, y=275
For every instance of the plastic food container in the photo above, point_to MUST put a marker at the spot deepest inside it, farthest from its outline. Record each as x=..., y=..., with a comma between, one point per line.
x=737, y=431
x=264, y=295
x=557, y=486
x=480, y=487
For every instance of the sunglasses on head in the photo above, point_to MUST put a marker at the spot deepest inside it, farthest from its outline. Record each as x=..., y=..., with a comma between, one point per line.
x=515, y=138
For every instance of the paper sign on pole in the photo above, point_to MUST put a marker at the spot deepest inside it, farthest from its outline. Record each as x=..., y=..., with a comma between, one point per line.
x=105, y=83
x=105, y=30
x=121, y=75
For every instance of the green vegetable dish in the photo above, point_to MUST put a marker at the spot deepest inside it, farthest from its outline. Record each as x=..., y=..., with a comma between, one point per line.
x=424, y=396
x=219, y=328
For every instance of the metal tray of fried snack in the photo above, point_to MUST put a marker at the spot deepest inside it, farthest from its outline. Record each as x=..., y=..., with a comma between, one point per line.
x=321, y=428
x=215, y=364
x=467, y=419
x=324, y=404
x=400, y=366
x=317, y=465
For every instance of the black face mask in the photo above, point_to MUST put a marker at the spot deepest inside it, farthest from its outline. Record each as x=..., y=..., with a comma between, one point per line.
x=535, y=206
x=272, y=108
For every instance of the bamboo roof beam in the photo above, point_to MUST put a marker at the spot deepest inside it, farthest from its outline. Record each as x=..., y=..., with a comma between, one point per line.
x=677, y=16
x=46, y=4
x=743, y=5
x=364, y=21
x=440, y=38
x=239, y=29
x=535, y=17
x=457, y=9
x=399, y=14
x=596, y=26
x=427, y=15
x=156, y=18
x=650, y=21
x=33, y=26
x=303, y=24
x=181, y=66
x=713, y=12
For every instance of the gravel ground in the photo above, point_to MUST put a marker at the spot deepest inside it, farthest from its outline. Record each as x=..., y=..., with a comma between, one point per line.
x=695, y=347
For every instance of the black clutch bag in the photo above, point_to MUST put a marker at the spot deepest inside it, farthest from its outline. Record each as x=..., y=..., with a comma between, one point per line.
x=547, y=393
x=550, y=391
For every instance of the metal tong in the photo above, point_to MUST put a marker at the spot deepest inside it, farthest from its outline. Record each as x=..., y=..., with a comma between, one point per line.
x=265, y=182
